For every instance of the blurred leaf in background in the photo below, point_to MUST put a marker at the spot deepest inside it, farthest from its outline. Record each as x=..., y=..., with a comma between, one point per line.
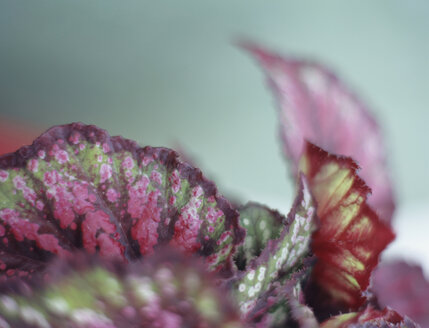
x=15, y=134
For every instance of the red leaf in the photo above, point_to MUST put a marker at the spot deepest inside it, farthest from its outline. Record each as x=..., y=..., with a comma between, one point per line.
x=315, y=106
x=351, y=236
x=404, y=288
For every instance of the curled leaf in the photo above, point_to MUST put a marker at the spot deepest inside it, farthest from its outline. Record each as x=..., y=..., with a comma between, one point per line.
x=403, y=287
x=259, y=288
x=262, y=224
x=77, y=188
x=370, y=318
x=351, y=236
x=169, y=289
x=315, y=106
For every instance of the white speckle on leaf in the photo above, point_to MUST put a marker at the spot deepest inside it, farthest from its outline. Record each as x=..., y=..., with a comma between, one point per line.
x=34, y=317
x=57, y=305
x=266, y=234
x=261, y=274
x=251, y=291
x=9, y=304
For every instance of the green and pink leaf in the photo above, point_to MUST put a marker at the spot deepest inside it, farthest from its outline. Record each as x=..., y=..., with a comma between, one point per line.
x=169, y=289
x=76, y=188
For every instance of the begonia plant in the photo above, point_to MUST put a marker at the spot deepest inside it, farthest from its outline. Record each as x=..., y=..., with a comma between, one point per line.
x=96, y=231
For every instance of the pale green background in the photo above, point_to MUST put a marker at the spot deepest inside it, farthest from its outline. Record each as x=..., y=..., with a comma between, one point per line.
x=167, y=73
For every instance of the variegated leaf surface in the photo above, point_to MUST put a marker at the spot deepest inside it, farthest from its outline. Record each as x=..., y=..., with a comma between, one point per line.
x=77, y=188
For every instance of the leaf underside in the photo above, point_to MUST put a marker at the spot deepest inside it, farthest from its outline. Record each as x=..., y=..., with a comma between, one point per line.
x=351, y=236
x=169, y=289
x=77, y=188
x=315, y=106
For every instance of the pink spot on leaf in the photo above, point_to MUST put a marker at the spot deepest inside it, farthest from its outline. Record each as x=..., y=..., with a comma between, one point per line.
x=112, y=195
x=156, y=176
x=61, y=156
x=175, y=181
x=105, y=172
x=128, y=163
x=19, y=182
x=144, y=208
x=97, y=230
x=33, y=165
x=213, y=214
x=23, y=228
x=106, y=147
x=188, y=225
x=75, y=138
x=3, y=175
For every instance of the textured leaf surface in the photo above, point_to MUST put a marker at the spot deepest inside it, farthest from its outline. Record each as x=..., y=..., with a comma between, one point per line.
x=78, y=188
x=350, y=238
x=258, y=288
x=262, y=224
x=370, y=318
x=315, y=106
x=403, y=287
x=167, y=290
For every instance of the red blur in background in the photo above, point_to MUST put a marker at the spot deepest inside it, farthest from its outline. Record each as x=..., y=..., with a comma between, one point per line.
x=14, y=134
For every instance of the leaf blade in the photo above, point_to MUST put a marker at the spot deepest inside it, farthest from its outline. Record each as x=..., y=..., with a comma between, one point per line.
x=312, y=104
x=76, y=187
x=351, y=236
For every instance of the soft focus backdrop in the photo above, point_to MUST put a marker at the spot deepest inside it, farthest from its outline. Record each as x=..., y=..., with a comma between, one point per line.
x=167, y=73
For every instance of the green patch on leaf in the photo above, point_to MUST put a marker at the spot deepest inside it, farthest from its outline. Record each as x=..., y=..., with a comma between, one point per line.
x=262, y=224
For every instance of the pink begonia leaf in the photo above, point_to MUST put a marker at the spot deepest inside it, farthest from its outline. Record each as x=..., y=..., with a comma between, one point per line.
x=76, y=187
x=403, y=287
x=258, y=288
x=167, y=289
x=370, y=318
x=350, y=238
x=315, y=106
